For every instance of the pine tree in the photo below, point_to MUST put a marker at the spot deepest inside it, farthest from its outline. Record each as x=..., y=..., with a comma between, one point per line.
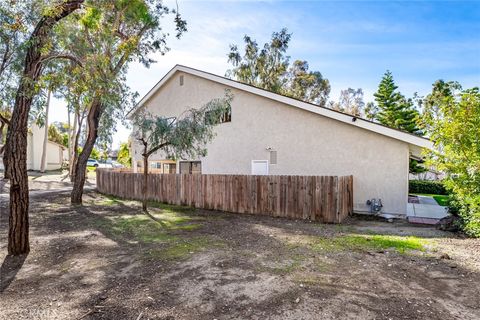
x=394, y=110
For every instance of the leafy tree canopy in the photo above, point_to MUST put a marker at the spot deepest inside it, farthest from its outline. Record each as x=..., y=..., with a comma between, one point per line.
x=351, y=101
x=269, y=68
x=451, y=117
x=124, y=157
x=54, y=135
x=183, y=137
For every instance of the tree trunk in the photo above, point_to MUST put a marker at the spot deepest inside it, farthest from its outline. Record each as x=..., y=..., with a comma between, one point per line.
x=74, y=154
x=2, y=126
x=145, y=181
x=69, y=140
x=15, y=154
x=93, y=119
x=45, y=139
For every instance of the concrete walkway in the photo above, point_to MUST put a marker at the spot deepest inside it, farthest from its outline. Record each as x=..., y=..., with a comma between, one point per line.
x=43, y=184
x=37, y=193
x=427, y=211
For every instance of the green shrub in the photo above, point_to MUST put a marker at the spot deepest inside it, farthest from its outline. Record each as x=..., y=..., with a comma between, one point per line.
x=468, y=209
x=426, y=186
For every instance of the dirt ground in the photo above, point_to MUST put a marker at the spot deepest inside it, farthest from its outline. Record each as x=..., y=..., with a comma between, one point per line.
x=106, y=260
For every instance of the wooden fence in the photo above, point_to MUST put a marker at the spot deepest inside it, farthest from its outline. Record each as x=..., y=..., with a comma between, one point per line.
x=326, y=199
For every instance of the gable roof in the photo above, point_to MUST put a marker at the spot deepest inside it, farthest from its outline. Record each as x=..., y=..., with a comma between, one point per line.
x=313, y=108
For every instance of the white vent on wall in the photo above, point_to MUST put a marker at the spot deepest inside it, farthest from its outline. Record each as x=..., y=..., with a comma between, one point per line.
x=181, y=80
x=273, y=157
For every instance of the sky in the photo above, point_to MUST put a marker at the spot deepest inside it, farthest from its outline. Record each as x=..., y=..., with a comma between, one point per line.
x=352, y=43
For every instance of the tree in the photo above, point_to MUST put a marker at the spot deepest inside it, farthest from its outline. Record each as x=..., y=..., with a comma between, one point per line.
x=15, y=153
x=95, y=154
x=112, y=33
x=306, y=85
x=54, y=135
x=15, y=20
x=43, y=163
x=394, y=110
x=124, y=157
x=415, y=167
x=350, y=101
x=451, y=118
x=182, y=137
x=262, y=68
x=370, y=111
x=269, y=68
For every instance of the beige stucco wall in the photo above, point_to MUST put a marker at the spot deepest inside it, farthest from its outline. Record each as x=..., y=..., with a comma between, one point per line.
x=306, y=143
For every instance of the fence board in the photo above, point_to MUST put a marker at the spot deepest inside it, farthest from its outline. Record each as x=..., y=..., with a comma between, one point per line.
x=327, y=199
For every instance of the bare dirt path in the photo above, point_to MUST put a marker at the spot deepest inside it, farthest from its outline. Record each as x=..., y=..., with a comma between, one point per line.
x=106, y=260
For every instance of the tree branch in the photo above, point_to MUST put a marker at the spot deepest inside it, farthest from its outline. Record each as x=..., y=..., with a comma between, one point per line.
x=160, y=146
x=4, y=120
x=125, y=56
x=61, y=56
x=3, y=65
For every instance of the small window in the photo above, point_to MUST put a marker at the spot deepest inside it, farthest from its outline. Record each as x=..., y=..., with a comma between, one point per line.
x=191, y=167
x=155, y=165
x=181, y=80
x=169, y=168
x=273, y=157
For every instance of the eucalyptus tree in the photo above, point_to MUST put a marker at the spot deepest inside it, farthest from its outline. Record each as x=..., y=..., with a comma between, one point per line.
x=183, y=137
x=269, y=68
x=15, y=21
x=263, y=68
x=350, y=101
x=305, y=85
x=110, y=35
x=37, y=52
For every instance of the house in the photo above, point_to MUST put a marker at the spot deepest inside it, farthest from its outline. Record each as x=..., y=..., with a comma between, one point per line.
x=56, y=153
x=431, y=174
x=271, y=134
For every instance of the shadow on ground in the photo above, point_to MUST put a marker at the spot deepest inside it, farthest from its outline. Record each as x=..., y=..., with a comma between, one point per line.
x=106, y=260
x=9, y=269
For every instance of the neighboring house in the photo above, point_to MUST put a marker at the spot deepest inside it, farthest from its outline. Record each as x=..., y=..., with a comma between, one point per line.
x=272, y=134
x=56, y=153
x=113, y=155
x=430, y=174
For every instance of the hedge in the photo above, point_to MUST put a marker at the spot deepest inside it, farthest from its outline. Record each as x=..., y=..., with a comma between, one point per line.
x=426, y=186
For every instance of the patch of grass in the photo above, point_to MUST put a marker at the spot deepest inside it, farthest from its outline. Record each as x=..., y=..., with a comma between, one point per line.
x=109, y=201
x=170, y=207
x=144, y=229
x=168, y=238
x=442, y=200
x=369, y=242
